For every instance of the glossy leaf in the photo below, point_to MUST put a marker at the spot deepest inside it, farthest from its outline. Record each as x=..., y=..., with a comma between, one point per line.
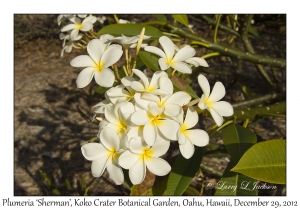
x=150, y=60
x=130, y=30
x=160, y=17
x=237, y=140
x=183, y=19
x=265, y=161
x=183, y=172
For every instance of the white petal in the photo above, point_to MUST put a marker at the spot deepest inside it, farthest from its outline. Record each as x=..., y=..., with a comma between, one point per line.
x=93, y=151
x=160, y=92
x=200, y=61
x=181, y=138
x=203, y=82
x=168, y=46
x=154, y=81
x=217, y=118
x=169, y=128
x=91, y=19
x=217, y=93
x=184, y=53
x=172, y=110
x=74, y=33
x=191, y=118
x=86, y=26
x=166, y=84
x=105, y=78
x=156, y=51
x=127, y=159
x=140, y=102
x=137, y=145
x=223, y=108
x=150, y=133
x=95, y=49
x=106, y=38
x=201, y=103
x=180, y=98
x=68, y=27
x=163, y=65
x=192, y=61
x=182, y=67
x=115, y=172
x=154, y=109
x=98, y=166
x=158, y=166
x=111, y=56
x=160, y=148
x=140, y=117
x=198, y=137
x=85, y=77
x=142, y=76
x=111, y=115
x=187, y=150
x=110, y=139
x=150, y=97
x=82, y=61
x=137, y=172
x=137, y=86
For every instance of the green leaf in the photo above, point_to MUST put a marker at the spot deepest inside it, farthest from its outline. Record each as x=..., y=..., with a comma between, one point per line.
x=183, y=172
x=161, y=17
x=253, y=31
x=183, y=19
x=130, y=30
x=180, y=84
x=234, y=184
x=150, y=60
x=237, y=140
x=265, y=161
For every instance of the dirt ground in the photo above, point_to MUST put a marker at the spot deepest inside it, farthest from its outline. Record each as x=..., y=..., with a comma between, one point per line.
x=48, y=129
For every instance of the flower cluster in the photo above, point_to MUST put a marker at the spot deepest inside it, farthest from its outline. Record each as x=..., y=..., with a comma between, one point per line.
x=142, y=115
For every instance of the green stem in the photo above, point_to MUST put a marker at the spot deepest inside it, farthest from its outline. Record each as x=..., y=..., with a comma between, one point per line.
x=216, y=28
x=226, y=50
x=210, y=55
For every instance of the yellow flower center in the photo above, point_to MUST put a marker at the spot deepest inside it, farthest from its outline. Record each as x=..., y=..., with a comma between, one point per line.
x=156, y=120
x=208, y=103
x=147, y=153
x=79, y=26
x=183, y=129
x=99, y=66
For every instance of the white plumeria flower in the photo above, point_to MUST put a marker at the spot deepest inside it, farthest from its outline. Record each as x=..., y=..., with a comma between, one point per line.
x=141, y=156
x=67, y=43
x=105, y=155
x=126, y=42
x=147, y=85
x=97, y=64
x=188, y=138
x=210, y=101
x=61, y=18
x=117, y=118
x=196, y=61
x=106, y=40
x=155, y=124
x=167, y=56
x=85, y=25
